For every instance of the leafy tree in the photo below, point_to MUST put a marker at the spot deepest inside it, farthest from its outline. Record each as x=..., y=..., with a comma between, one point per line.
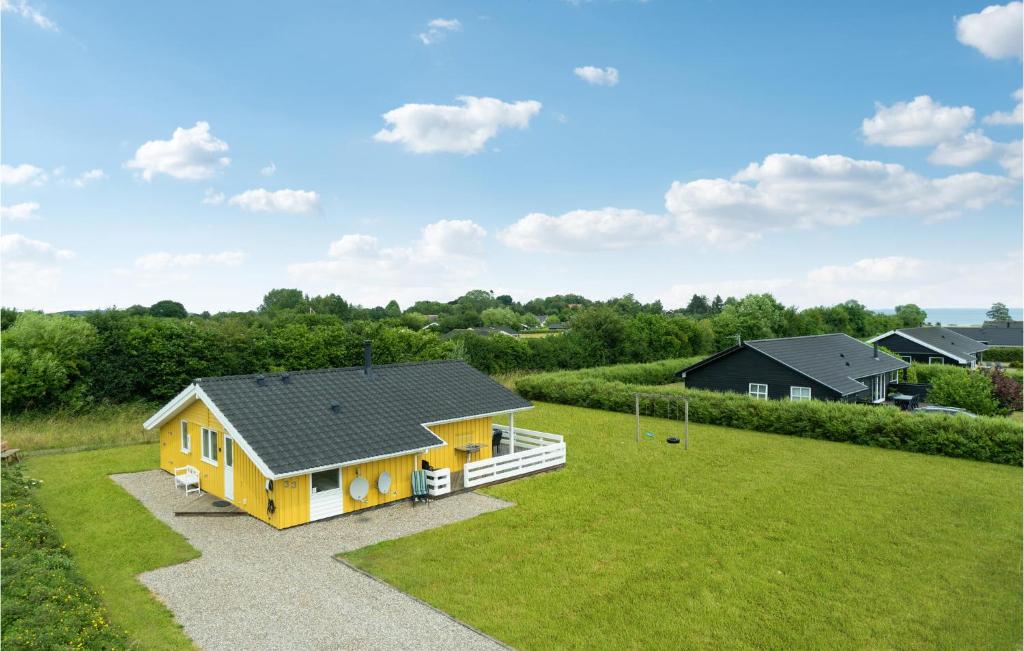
x=43, y=357
x=1006, y=390
x=529, y=320
x=171, y=309
x=500, y=316
x=717, y=305
x=413, y=320
x=698, y=306
x=505, y=300
x=8, y=315
x=283, y=299
x=972, y=391
x=998, y=312
x=392, y=309
x=477, y=300
x=910, y=315
x=597, y=336
x=330, y=304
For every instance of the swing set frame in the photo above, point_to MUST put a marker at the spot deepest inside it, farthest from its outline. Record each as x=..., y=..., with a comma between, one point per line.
x=669, y=400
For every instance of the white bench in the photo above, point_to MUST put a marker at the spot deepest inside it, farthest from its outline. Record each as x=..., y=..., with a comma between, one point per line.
x=188, y=478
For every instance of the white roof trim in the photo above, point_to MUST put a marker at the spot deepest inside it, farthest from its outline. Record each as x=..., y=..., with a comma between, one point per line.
x=176, y=404
x=461, y=418
x=356, y=462
x=918, y=341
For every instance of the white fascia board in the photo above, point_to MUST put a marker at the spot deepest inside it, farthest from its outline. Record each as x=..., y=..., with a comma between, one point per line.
x=176, y=404
x=249, y=452
x=919, y=342
x=461, y=418
x=356, y=462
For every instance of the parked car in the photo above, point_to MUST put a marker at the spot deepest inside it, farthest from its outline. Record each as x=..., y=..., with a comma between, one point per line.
x=949, y=411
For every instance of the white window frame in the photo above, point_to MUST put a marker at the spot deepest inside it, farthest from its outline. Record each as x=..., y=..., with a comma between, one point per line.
x=186, y=438
x=757, y=394
x=799, y=398
x=907, y=358
x=209, y=444
x=942, y=360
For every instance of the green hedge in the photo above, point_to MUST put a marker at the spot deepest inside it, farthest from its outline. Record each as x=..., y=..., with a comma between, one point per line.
x=996, y=440
x=46, y=603
x=662, y=372
x=1003, y=354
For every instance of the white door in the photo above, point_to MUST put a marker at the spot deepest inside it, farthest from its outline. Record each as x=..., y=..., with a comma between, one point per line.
x=878, y=388
x=229, y=467
x=325, y=498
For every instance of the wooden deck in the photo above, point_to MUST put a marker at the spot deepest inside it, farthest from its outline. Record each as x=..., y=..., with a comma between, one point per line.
x=204, y=505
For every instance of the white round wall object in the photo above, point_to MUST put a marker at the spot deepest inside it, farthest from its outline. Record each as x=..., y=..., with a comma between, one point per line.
x=384, y=482
x=359, y=488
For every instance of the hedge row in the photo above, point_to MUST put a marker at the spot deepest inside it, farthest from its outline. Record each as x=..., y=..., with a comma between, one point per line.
x=1003, y=354
x=996, y=440
x=46, y=603
x=661, y=372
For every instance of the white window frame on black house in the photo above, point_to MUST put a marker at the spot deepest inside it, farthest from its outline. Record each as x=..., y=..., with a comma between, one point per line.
x=209, y=447
x=757, y=393
x=942, y=360
x=798, y=394
x=186, y=438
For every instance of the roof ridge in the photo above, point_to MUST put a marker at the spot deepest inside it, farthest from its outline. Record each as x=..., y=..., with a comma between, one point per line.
x=330, y=369
x=826, y=334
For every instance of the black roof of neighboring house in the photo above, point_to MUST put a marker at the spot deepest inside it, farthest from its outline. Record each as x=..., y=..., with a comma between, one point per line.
x=482, y=331
x=943, y=340
x=292, y=427
x=835, y=360
x=995, y=333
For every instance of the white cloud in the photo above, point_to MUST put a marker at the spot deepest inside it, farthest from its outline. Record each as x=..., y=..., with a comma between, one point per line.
x=30, y=270
x=870, y=270
x=27, y=11
x=190, y=154
x=788, y=191
x=438, y=29
x=213, y=198
x=23, y=248
x=269, y=169
x=21, y=174
x=968, y=149
x=163, y=261
x=1014, y=117
x=1011, y=159
x=586, y=230
x=428, y=128
x=598, y=76
x=19, y=211
x=920, y=122
x=996, y=31
x=292, y=201
x=86, y=178
x=446, y=258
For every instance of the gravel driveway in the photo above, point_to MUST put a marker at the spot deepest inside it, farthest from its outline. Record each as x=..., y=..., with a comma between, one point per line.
x=256, y=587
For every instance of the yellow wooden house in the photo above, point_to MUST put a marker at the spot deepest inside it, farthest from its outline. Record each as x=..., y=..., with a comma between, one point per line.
x=291, y=448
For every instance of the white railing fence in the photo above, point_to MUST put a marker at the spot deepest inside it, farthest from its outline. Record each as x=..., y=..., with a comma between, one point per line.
x=439, y=481
x=544, y=450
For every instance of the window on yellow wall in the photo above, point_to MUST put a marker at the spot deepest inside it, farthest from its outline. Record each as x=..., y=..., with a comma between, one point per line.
x=209, y=448
x=186, y=440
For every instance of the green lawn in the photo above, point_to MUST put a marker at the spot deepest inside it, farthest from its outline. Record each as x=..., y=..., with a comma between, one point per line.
x=112, y=537
x=747, y=540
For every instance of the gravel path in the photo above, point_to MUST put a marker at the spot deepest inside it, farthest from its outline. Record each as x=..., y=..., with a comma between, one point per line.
x=256, y=587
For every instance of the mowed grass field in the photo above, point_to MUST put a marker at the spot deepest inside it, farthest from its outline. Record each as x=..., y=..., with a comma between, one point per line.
x=747, y=540
x=113, y=537
x=106, y=426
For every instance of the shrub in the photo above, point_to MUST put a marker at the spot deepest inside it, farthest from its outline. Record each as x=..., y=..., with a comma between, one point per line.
x=46, y=603
x=1007, y=390
x=1003, y=354
x=996, y=440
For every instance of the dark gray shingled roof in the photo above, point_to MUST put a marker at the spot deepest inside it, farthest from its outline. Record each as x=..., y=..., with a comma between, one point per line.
x=946, y=340
x=292, y=427
x=994, y=335
x=835, y=360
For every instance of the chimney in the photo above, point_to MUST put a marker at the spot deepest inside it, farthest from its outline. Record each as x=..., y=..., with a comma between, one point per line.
x=336, y=407
x=876, y=350
x=367, y=358
x=261, y=380
x=286, y=378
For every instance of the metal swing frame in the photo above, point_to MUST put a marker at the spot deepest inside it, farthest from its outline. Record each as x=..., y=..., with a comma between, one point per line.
x=669, y=400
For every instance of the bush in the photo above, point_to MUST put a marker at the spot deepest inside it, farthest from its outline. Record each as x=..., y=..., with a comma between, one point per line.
x=996, y=440
x=1003, y=354
x=46, y=603
x=1007, y=390
x=955, y=386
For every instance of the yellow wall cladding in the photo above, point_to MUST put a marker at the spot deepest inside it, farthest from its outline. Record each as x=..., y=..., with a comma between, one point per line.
x=400, y=469
x=476, y=430
x=291, y=496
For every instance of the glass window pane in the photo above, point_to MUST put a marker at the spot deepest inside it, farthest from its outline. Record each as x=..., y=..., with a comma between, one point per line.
x=325, y=480
x=229, y=452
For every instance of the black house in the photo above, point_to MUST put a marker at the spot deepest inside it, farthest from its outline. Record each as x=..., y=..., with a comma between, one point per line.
x=932, y=345
x=996, y=333
x=820, y=367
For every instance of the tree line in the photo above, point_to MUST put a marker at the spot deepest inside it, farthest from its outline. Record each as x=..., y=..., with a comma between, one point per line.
x=53, y=361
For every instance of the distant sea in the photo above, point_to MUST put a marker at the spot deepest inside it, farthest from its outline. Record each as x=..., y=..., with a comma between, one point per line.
x=961, y=316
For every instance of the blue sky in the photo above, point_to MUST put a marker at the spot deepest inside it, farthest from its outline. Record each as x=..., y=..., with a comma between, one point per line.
x=815, y=150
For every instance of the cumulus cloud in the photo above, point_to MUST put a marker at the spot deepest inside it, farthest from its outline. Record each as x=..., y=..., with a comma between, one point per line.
x=22, y=174
x=213, y=198
x=1011, y=159
x=191, y=154
x=28, y=12
x=85, y=178
x=465, y=129
x=870, y=270
x=438, y=29
x=996, y=31
x=597, y=76
x=586, y=230
x=269, y=170
x=30, y=270
x=447, y=255
x=1016, y=116
x=917, y=123
x=290, y=201
x=19, y=211
x=788, y=191
x=163, y=261
x=968, y=149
